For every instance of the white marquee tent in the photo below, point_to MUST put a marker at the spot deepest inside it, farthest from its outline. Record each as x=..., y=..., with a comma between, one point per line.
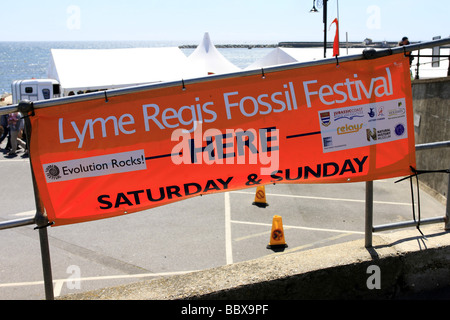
x=94, y=69
x=206, y=57
x=290, y=55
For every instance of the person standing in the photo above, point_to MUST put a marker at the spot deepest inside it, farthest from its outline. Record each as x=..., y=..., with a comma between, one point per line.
x=4, y=124
x=405, y=42
x=16, y=124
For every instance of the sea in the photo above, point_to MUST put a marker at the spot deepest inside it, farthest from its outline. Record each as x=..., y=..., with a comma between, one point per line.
x=27, y=60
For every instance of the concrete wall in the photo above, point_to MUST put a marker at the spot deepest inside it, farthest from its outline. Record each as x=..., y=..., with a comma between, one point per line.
x=431, y=103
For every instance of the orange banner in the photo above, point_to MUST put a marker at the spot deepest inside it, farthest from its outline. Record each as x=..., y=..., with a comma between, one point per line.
x=321, y=124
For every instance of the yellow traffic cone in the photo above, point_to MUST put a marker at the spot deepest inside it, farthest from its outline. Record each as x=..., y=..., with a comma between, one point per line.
x=277, y=234
x=260, y=197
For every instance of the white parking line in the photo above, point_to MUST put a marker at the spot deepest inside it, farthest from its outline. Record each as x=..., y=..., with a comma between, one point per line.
x=298, y=227
x=312, y=244
x=228, y=247
x=58, y=284
x=57, y=287
x=324, y=198
x=15, y=160
x=30, y=214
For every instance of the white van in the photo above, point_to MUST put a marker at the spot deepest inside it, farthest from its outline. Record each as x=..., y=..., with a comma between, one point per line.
x=35, y=89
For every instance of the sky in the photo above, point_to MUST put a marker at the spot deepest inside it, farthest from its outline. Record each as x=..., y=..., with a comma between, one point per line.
x=226, y=21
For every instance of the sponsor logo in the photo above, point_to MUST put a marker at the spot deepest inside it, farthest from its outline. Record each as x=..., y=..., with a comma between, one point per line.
x=399, y=129
x=325, y=118
x=349, y=113
x=52, y=172
x=95, y=166
x=374, y=134
x=376, y=113
x=327, y=142
x=394, y=113
x=349, y=128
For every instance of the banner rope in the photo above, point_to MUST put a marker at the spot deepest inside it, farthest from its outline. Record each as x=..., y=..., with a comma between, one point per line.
x=416, y=174
x=44, y=226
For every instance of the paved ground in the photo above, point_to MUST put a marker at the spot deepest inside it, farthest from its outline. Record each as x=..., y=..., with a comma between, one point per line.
x=190, y=235
x=400, y=265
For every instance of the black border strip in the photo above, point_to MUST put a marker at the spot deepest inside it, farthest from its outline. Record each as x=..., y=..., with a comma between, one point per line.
x=164, y=156
x=302, y=135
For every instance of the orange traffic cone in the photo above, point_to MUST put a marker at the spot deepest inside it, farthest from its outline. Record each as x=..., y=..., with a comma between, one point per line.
x=277, y=234
x=260, y=197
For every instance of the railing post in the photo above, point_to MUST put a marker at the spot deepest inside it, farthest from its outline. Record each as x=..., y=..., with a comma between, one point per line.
x=46, y=264
x=418, y=64
x=447, y=208
x=369, y=214
x=448, y=70
x=26, y=107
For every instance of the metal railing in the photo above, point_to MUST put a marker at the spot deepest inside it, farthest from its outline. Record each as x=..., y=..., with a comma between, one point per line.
x=418, y=63
x=16, y=223
x=370, y=228
x=40, y=219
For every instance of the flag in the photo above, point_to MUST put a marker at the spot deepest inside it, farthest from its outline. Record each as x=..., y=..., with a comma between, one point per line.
x=336, y=39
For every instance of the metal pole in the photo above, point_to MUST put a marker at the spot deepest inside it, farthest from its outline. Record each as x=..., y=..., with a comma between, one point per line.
x=405, y=224
x=433, y=145
x=25, y=108
x=447, y=209
x=418, y=64
x=448, y=71
x=46, y=264
x=325, y=28
x=369, y=214
x=16, y=223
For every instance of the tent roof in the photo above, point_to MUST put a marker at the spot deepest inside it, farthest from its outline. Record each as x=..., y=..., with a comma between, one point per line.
x=206, y=57
x=275, y=57
x=289, y=55
x=80, y=69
